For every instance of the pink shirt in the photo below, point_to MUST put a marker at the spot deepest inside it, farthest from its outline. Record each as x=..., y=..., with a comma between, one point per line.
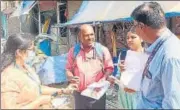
x=88, y=66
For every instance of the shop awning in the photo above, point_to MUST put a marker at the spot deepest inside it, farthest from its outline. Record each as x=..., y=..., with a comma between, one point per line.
x=110, y=11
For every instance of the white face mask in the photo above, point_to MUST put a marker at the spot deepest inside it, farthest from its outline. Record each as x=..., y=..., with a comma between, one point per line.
x=30, y=56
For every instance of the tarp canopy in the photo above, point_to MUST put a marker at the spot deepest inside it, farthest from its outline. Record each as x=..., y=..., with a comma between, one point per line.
x=110, y=11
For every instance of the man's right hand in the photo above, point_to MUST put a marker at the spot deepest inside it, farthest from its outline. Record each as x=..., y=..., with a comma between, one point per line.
x=70, y=89
x=74, y=80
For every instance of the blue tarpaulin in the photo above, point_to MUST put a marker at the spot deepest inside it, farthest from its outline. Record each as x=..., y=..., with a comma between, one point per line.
x=45, y=46
x=53, y=70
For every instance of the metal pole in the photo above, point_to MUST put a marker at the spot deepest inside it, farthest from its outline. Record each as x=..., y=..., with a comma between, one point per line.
x=68, y=43
x=99, y=32
x=58, y=17
x=39, y=16
x=20, y=25
x=96, y=32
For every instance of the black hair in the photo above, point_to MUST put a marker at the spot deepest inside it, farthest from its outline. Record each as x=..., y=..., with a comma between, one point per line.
x=150, y=14
x=14, y=42
x=133, y=30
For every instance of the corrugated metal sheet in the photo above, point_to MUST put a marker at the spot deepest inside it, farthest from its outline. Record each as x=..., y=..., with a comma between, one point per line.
x=47, y=5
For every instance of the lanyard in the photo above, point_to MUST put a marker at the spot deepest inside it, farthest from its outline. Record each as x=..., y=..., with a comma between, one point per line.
x=145, y=72
x=31, y=77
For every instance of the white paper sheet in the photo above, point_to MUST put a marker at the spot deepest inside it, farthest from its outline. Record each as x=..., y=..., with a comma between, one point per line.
x=118, y=82
x=135, y=63
x=90, y=92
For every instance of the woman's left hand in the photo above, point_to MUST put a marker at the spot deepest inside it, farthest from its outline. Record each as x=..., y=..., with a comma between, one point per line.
x=69, y=89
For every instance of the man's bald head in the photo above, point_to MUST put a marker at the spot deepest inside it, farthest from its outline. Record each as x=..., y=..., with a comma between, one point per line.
x=84, y=27
x=86, y=35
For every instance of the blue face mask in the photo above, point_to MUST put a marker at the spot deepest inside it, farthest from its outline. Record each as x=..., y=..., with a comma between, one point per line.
x=30, y=57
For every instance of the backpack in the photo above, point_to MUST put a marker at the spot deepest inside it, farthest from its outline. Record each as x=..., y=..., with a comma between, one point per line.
x=98, y=50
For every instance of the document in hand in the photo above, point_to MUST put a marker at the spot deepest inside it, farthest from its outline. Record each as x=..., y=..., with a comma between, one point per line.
x=117, y=81
x=135, y=63
x=90, y=92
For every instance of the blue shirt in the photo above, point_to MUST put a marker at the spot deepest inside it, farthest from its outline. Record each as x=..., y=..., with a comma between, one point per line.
x=162, y=90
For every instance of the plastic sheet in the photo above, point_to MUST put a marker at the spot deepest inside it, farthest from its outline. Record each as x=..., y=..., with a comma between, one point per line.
x=53, y=70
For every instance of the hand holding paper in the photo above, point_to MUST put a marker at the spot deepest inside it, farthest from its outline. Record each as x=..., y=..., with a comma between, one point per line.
x=132, y=75
x=118, y=82
x=92, y=92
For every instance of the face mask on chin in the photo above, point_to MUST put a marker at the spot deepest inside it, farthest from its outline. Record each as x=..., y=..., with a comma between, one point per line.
x=30, y=56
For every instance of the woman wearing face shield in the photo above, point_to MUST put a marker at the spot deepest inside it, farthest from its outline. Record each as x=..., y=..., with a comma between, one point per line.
x=20, y=85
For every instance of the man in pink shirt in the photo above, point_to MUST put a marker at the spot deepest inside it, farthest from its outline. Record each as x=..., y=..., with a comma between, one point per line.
x=88, y=67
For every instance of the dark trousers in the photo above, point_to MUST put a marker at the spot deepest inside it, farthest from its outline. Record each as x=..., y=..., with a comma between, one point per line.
x=83, y=102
